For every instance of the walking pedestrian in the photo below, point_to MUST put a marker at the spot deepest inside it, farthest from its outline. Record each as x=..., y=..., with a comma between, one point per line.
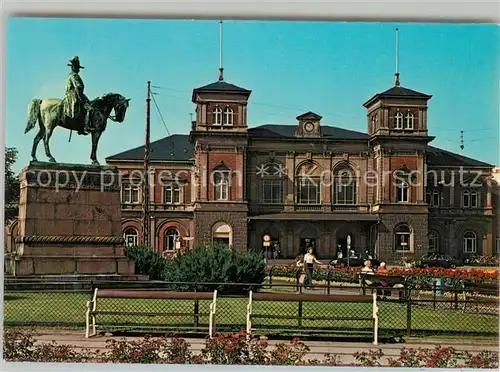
x=309, y=261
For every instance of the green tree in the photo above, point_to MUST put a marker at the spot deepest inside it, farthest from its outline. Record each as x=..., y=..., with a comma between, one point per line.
x=12, y=187
x=216, y=264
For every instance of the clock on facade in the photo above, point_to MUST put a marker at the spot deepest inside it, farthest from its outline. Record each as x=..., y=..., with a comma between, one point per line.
x=309, y=127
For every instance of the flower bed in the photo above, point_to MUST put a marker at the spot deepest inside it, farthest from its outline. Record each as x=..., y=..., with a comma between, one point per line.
x=233, y=349
x=453, y=278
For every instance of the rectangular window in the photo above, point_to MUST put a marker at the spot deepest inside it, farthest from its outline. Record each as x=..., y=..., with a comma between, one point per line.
x=345, y=194
x=470, y=199
x=221, y=186
x=436, y=198
x=474, y=200
x=272, y=191
x=308, y=191
x=433, y=198
x=466, y=199
x=130, y=194
x=402, y=192
x=172, y=194
x=131, y=240
x=402, y=241
x=398, y=119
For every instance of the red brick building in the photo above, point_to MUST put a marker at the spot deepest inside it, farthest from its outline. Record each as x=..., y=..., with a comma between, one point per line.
x=310, y=183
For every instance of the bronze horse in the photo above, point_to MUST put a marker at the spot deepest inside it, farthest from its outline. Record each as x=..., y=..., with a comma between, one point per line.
x=49, y=114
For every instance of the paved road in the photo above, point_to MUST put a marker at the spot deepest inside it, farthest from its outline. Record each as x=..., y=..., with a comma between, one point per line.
x=318, y=348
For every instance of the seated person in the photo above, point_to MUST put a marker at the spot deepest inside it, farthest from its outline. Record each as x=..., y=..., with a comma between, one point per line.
x=367, y=269
x=382, y=269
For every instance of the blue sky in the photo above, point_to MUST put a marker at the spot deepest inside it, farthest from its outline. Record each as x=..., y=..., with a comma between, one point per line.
x=291, y=67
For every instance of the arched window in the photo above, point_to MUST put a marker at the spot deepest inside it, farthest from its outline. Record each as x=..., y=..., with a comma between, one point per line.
x=131, y=237
x=171, y=239
x=433, y=198
x=402, y=238
x=470, y=241
x=470, y=199
x=217, y=116
x=433, y=242
x=345, y=187
x=221, y=177
x=228, y=116
x=398, y=120
x=409, y=121
x=222, y=234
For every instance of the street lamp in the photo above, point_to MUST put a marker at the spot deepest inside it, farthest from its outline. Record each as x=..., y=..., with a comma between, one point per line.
x=348, y=249
x=267, y=243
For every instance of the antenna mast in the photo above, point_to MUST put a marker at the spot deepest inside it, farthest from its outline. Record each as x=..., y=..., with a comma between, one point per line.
x=145, y=188
x=221, y=69
x=461, y=140
x=396, y=75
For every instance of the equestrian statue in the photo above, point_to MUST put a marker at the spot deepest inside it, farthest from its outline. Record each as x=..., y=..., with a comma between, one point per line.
x=74, y=112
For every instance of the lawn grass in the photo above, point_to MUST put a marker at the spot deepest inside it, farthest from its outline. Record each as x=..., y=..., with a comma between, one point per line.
x=68, y=310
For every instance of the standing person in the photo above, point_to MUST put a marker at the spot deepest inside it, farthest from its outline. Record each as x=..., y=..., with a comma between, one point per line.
x=309, y=261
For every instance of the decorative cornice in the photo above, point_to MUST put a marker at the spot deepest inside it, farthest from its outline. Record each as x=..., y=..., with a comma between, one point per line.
x=34, y=239
x=54, y=179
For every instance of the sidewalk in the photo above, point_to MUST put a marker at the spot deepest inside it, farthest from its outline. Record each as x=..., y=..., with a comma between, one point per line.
x=318, y=348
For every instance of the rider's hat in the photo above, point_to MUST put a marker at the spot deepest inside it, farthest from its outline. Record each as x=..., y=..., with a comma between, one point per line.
x=75, y=61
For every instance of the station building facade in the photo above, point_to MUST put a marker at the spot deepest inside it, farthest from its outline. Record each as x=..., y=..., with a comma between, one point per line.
x=307, y=183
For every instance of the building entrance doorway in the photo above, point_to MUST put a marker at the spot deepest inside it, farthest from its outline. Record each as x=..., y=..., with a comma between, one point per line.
x=342, y=245
x=306, y=243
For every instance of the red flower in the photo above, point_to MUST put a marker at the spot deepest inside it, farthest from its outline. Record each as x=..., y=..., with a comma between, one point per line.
x=137, y=354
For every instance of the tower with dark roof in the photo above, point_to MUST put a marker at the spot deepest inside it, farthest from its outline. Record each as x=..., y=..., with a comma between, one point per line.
x=398, y=137
x=220, y=139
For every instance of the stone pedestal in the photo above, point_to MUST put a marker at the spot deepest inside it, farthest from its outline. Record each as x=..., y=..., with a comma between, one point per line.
x=69, y=222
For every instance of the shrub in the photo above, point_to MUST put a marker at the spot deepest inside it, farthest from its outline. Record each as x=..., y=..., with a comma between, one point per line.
x=20, y=346
x=147, y=261
x=216, y=264
x=417, y=278
x=233, y=349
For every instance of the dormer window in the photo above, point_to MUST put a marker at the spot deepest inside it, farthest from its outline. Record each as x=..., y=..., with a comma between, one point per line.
x=217, y=116
x=398, y=121
x=228, y=116
x=409, y=121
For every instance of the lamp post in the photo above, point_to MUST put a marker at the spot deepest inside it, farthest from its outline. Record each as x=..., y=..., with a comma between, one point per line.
x=267, y=243
x=348, y=250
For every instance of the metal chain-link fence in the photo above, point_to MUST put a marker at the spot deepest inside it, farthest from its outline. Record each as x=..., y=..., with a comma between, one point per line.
x=423, y=311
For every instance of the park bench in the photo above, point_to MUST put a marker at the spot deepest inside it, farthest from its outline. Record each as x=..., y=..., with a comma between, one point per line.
x=384, y=284
x=297, y=326
x=124, y=309
x=481, y=294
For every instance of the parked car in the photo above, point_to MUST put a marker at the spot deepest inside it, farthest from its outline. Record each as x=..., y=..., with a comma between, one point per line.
x=354, y=262
x=439, y=260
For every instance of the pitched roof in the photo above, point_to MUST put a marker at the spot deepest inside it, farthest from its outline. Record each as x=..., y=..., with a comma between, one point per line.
x=440, y=157
x=178, y=148
x=288, y=131
x=220, y=86
x=173, y=148
x=398, y=92
x=309, y=115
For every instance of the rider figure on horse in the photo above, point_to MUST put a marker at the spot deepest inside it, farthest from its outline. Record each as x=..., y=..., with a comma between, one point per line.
x=75, y=102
